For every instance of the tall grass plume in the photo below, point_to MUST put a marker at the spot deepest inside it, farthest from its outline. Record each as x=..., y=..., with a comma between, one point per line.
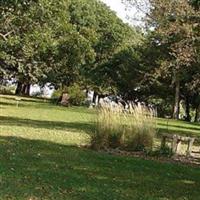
x=133, y=129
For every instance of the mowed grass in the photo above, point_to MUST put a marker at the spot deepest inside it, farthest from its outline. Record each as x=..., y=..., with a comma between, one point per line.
x=40, y=159
x=178, y=127
x=37, y=119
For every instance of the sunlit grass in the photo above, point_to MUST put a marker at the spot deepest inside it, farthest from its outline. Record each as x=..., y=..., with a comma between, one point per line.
x=35, y=119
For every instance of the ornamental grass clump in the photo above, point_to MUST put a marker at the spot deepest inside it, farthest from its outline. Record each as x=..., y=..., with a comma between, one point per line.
x=140, y=128
x=131, y=130
x=108, y=128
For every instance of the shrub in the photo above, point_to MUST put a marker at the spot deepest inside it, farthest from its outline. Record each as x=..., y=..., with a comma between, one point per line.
x=76, y=95
x=131, y=131
x=9, y=90
x=56, y=95
x=163, y=151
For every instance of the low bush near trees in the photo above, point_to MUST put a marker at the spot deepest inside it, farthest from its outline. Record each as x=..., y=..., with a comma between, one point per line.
x=133, y=130
x=9, y=90
x=164, y=152
x=76, y=95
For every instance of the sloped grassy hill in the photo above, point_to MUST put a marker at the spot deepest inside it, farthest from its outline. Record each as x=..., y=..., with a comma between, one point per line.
x=40, y=159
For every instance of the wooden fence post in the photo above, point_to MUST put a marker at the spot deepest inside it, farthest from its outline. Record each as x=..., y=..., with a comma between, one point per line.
x=189, y=148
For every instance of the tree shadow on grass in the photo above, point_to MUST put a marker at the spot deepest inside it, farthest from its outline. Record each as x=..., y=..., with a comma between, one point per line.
x=25, y=98
x=33, y=169
x=178, y=129
x=44, y=104
x=22, y=104
x=192, y=127
x=175, y=131
x=58, y=125
x=7, y=104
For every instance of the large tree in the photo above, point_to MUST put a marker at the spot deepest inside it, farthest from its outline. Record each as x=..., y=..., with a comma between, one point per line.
x=175, y=30
x=58, y=41
x=27, y=33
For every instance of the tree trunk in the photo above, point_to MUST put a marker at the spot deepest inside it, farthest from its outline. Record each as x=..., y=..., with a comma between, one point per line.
x=19, y=88
x=177, y=99
x=187, y=109
x=23, y=89
x=27, y=89
x=22, y=92
x=197, y=114
x=94, y=97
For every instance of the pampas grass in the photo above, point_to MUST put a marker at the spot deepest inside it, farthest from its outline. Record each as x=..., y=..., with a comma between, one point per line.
x=140, y=127
x=131, y=130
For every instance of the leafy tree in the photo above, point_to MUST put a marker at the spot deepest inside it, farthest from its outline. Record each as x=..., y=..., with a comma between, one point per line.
x=27, y=33
x=57, y=41
x=175, y=31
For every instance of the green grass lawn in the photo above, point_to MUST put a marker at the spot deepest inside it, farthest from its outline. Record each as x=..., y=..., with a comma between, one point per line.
x=178, y=127
x=39, y=159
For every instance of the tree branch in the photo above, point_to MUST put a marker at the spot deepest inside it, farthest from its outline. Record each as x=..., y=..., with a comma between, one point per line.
x=4, y=36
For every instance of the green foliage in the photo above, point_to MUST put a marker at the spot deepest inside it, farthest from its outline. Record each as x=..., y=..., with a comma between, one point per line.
x=169, y=58
x=57, y=41
x=177, y=31
x=56, y=94
x=163, y=105
x=76, y=95
x=161, y=152
x=7, y=89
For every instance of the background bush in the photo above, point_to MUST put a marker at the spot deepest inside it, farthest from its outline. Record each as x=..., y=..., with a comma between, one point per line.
x=77, y=96
x=56, y=95
x=7, y=89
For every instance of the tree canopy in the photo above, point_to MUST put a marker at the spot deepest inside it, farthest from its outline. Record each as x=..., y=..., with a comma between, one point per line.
x=172, y=32
x=60, y=42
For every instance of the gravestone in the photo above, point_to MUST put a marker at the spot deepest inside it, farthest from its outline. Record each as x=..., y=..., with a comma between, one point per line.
x=65, y=99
